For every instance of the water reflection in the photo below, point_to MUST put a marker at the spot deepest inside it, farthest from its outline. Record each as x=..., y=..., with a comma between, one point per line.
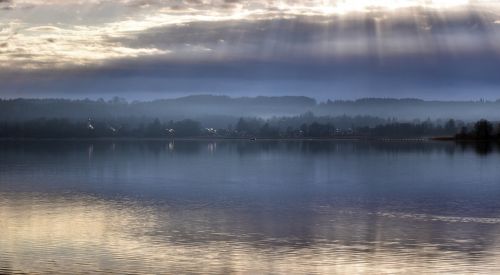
x=244, y=147
x=212, y=147
x=255, y=207
x=90, y=151
x=482, y=148
x=85, y=234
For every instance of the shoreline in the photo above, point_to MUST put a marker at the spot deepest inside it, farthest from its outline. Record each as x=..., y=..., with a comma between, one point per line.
x=256, y=139
x=353, y=138
x=464, y=140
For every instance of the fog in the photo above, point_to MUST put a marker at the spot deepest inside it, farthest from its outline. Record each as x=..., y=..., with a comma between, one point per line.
x=220, y=111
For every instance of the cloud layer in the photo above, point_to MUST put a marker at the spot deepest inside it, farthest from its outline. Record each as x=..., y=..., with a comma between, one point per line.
x=182, y=39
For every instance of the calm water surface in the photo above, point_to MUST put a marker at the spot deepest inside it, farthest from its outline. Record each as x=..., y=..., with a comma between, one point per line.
x=248, y=207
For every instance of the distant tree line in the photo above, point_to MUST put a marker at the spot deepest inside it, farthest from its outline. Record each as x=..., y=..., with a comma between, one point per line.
x=412, y=130
x=303, y=126
x=219, y=110
x=64, y=128
x=314, y=129
x=483, y=130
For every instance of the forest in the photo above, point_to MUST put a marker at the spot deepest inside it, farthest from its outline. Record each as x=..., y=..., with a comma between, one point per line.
x=246, y=117
x=304, y=126
x=483, y=130
x=220, y=111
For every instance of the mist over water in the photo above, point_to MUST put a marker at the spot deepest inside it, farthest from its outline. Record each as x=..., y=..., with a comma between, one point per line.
x=257, y=207
x=220, y=111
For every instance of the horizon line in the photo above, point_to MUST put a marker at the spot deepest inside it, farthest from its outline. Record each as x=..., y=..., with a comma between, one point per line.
x=317, y=100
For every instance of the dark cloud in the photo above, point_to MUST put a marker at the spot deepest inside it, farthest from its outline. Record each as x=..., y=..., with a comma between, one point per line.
x=464, y=77
x=424, y=53
x=5, y=4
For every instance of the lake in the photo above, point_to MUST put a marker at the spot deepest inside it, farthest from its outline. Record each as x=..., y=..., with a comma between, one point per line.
x=280, y=207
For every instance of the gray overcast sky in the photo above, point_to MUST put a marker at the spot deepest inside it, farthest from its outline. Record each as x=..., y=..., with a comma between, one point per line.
x=144, y=49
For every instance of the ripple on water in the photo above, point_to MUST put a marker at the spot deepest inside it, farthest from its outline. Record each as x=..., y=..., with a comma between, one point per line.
x=87, y=234
x=364, y=208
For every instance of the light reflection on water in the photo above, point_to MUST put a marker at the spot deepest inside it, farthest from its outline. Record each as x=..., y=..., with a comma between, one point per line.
x=255, y=207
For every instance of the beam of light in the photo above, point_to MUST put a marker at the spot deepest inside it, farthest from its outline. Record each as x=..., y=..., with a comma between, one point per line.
x=36, y=41
x=349, y=6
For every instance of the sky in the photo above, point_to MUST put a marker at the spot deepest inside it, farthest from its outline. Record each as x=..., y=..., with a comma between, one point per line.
x=337, y=49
